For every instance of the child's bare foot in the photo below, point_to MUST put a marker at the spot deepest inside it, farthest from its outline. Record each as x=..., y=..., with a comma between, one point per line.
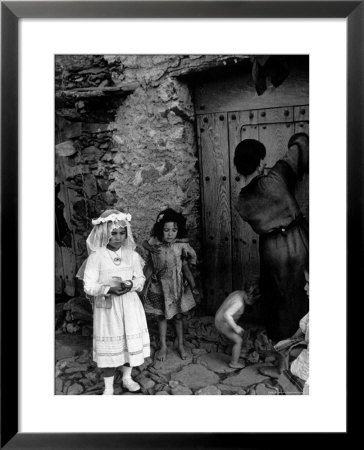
x=182, y=352
x=236, y=365
x=161, y=354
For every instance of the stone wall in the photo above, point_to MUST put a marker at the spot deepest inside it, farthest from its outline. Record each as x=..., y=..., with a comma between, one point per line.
x=156, y=146
x=125, y=139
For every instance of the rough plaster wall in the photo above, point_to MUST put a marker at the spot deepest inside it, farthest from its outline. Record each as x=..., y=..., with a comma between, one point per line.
x=156, y=146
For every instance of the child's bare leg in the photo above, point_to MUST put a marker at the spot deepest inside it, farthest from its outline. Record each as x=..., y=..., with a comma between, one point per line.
x=235, y=354
x=179, y=331
x=162, y=352
x=238, y=340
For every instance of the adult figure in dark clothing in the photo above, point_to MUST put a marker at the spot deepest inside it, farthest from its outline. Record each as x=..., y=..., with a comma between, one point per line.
x=268, y=204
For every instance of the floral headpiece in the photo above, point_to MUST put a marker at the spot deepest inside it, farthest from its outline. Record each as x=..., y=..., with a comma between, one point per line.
x=101, y=233
x=112, y=218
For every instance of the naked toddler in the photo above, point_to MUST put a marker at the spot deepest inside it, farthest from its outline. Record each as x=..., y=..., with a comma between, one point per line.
x=228, y=314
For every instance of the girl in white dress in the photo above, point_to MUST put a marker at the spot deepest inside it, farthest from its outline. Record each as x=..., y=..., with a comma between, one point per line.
x=112, y=275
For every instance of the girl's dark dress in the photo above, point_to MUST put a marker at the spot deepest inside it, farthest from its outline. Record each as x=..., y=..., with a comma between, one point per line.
x=268, y=204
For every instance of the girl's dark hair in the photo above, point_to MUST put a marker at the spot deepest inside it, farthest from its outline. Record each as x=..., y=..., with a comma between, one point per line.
x=248, y=154
x=169, y=215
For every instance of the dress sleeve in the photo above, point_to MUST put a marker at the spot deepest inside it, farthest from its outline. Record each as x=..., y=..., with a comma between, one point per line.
x=304, y=325
x=189, y=254
x=138, y=278
x=91, y=277
x=297, y=155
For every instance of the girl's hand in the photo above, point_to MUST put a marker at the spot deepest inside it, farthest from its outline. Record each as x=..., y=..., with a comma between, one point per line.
x=196, y=295
x=116, y=290
x=239, y=330
x=121, y=290
x=126, y=286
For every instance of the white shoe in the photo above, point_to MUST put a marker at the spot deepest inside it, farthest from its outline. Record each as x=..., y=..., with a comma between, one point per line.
x=130, y=385
x=109, y=386
x=108, y=392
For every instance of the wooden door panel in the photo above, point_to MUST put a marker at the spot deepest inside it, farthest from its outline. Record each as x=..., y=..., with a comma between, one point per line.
x=275, y=137
x=214, y=154
x=301, y=127
x=69, y=268
x=68, y=254
x=245, y=243
x=301, y=113
x=248, y=132
x=275, y=115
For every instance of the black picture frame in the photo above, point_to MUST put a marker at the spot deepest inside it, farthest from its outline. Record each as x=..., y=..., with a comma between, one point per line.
x=11, y=12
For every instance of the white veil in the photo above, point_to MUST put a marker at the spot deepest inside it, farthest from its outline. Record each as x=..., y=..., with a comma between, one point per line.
x=101, y=233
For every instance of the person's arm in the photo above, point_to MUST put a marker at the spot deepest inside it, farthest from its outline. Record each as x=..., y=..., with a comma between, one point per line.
x=228, y=316
x=299, y=333
x=91, y=276
x=189, y=254
x=150, y=248
x=148, y=268
x=189, y=277
x=304, y=323
x=297, y=155
x=138, y=278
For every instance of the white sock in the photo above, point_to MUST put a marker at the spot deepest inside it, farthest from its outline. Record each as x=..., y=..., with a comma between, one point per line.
x=126, y=372
x=109, y=385
x=128, y=382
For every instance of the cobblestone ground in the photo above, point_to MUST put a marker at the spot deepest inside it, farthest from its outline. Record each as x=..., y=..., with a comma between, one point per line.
x=204, y=372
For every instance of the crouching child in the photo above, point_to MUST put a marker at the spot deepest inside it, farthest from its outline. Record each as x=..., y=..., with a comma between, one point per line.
x=232, y=308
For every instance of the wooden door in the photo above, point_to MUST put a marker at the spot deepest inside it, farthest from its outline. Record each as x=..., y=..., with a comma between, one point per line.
x=212, y=133
x=65, y=252
x=231, y=248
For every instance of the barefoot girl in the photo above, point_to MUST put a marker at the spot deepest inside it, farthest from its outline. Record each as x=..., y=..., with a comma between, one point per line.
x=112, y=275
x=166, y=296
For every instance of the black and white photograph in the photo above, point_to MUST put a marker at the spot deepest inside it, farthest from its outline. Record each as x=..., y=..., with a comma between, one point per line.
x=181, y=224
x=181, y=221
